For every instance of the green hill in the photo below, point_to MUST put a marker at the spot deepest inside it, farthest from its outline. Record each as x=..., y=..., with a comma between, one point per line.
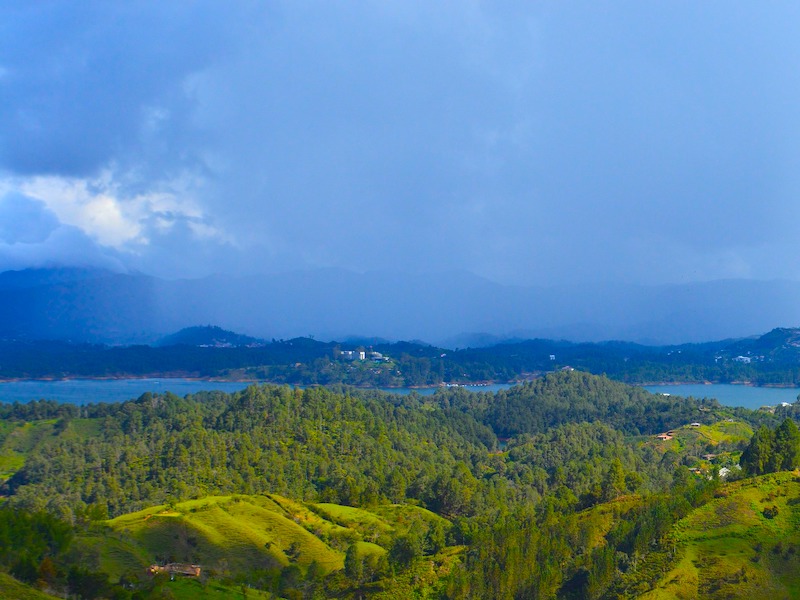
x=238, y=535
x=17, y=440
x=11, y=589
x=226, y=534
x=351, y=494
x=745, y=543
x=208, y=335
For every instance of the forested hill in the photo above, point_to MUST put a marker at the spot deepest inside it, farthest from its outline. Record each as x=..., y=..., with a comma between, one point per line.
x=208, y=336
x=575, y=397
x=772, y=359
x=312, y=444
x=158, y=448
x=348, y=493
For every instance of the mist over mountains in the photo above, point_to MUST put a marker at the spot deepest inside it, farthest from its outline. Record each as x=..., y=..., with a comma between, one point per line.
x=452, y=309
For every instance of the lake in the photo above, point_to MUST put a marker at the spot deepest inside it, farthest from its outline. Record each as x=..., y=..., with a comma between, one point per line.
x=731, y=395
x=84, y=391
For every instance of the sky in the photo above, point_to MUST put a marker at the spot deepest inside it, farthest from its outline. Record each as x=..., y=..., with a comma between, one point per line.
x=530, y=143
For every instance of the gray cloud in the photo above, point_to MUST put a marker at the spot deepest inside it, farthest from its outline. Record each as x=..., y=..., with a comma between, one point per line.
x=24, y=220
x=84, y=84
x=551, y=144
x=32, y=236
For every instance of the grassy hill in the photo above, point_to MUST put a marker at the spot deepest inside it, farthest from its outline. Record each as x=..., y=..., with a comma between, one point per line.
x=17, y=440
x=743, y=544
x=11, y=589
x=233, y=537
x=224, y=534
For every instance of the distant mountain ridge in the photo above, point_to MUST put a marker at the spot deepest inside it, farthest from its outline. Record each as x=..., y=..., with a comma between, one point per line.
x=208, y=336
x=782, y=344
x=116, y=308
x=771, y=359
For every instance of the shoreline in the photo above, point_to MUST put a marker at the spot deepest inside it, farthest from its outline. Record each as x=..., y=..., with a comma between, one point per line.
x=250, y=380
x=130, y=377
x=750, y=384
x=164, y=377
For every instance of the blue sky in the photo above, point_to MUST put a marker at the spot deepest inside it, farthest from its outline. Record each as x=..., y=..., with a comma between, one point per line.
x=529, y=143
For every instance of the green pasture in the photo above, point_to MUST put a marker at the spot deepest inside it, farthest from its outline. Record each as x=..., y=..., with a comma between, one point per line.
x=11, y=589
x=731, y=548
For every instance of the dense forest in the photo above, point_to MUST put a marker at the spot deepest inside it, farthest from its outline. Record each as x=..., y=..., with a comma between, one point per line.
x=211, y=352
x=554, y=488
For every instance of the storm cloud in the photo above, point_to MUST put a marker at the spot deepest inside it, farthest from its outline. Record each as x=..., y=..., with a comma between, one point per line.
x=32, y=236
x=542, y=144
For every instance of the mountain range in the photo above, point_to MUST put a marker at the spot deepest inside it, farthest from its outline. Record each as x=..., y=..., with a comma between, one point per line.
x=452, y=309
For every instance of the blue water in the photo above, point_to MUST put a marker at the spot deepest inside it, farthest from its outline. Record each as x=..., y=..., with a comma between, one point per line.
x=731, y=395
x=84, y=391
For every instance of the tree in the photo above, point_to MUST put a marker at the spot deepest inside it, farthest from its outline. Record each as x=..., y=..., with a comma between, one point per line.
x=404, y=550
x=435, y=538
x=786, y=454
x=353, y=564
x=681, y=477
x=87, y=584
x=757, y=456
x=772, y=451
x=47, y=571
x=614, y=481
x=453, y=493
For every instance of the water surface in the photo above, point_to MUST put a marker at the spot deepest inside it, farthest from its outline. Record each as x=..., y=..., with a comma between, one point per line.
x=85, y=391
x=731, y=395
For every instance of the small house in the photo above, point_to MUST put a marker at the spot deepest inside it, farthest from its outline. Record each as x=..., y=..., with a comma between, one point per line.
x=175, y=569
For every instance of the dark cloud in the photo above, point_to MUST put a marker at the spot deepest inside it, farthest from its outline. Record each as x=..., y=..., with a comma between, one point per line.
x=551, y=143
x=89, y=83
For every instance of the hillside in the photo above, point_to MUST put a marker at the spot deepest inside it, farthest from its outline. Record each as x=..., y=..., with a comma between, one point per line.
x=742, y=543
x=559, y=488
x=11, y=589
x=212, y=352
x=254, y=537
x=781, y=345
x=208, y=336
x=745, y=543
x=267, y=542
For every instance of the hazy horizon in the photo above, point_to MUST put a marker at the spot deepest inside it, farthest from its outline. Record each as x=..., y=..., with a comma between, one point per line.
x=545, y=146
x=449, y=309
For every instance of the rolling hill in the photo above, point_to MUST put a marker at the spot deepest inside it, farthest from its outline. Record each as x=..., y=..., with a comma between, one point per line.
x=745, y=543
